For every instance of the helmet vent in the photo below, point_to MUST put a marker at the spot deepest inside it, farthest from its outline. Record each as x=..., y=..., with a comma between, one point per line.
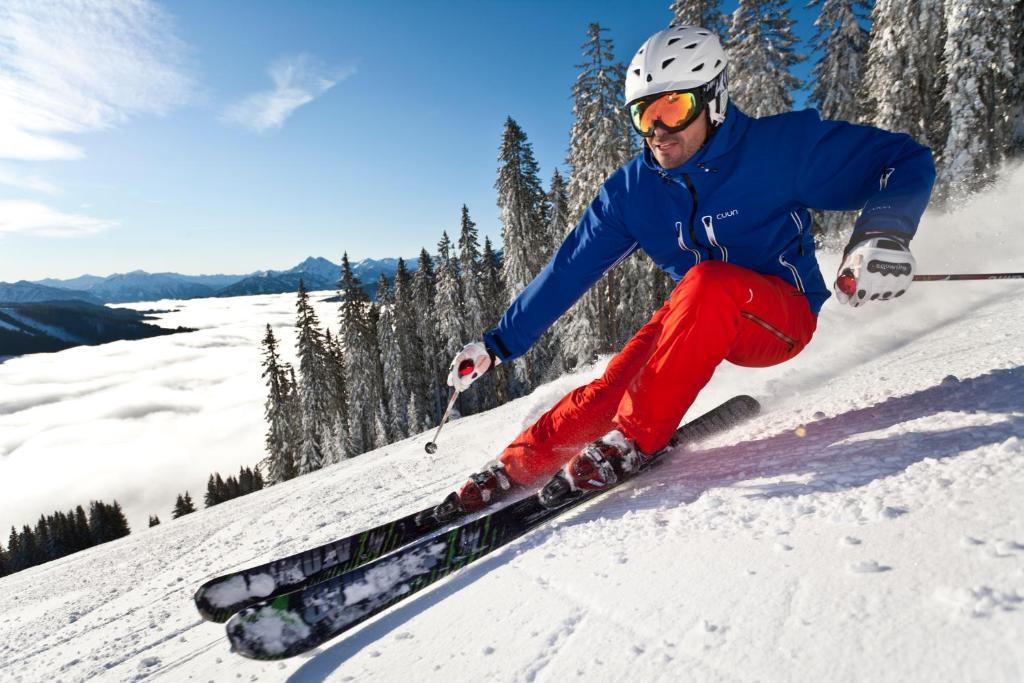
x=641, y=51
x=673, y=40
x=717, y=62
x=690, y=46
x=698, y=67
x=636, y=71
x=667, y=62
x=649, y=78
x=701, y=33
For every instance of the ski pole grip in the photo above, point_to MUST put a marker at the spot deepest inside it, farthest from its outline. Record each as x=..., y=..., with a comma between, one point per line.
x=466, y=368
x=846, y=283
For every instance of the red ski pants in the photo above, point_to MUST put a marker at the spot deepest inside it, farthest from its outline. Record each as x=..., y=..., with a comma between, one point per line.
x=717, y=312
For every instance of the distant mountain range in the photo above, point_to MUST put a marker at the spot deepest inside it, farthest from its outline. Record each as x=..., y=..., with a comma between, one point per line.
x=317, y=273
x=41, y=327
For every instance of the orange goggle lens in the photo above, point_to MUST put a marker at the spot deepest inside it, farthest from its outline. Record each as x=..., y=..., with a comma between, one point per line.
x=675, y=110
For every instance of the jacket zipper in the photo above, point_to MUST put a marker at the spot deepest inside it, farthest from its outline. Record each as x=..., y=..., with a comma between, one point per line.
x=693, y=216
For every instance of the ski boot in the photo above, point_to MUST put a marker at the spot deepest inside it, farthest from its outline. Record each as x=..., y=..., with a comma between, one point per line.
x=598, y=466
x=482, y=489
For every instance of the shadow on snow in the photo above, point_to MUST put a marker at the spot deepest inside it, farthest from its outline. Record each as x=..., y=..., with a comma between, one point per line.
x=828, y=458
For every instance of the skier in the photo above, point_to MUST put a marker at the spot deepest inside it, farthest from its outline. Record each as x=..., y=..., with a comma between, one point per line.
x=719, y=201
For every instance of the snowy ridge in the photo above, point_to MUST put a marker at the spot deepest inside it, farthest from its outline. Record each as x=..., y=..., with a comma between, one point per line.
x=868, y=526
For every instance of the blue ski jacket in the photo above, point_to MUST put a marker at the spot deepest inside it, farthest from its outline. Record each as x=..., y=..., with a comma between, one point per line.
x=744, y=197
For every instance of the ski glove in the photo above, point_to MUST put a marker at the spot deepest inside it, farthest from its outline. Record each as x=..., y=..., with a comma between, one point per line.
x=876, y=265
x=472, y=361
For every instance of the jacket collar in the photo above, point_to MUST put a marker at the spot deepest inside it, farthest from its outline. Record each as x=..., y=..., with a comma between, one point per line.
x=725, y=138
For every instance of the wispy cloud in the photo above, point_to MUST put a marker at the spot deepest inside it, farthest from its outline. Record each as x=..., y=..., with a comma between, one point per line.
x=12, y=177
x=298, y=80
x=73, y=66
x=24, y=217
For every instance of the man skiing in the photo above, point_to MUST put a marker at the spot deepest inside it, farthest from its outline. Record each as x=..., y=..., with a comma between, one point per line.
x=720, y=201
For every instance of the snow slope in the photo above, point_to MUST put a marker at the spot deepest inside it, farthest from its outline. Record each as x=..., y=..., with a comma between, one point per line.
x=868, y=526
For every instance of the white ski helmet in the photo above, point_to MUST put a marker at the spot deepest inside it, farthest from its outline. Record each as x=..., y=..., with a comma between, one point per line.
x=681, y=58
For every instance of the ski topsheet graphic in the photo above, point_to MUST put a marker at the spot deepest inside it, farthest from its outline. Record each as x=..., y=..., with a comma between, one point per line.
x=299, y=621
x=219, y=598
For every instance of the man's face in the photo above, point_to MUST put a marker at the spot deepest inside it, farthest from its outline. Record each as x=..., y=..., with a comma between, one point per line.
x=672, y=150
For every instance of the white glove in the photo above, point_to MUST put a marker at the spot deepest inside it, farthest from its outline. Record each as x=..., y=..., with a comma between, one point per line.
x=472, y=361
x=878, y=266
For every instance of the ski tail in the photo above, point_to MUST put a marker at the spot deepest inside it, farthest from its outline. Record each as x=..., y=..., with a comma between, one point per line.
x=219, y=598
x=299, y=621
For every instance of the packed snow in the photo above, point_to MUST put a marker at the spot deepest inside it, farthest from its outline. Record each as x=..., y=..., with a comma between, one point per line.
x=869, y=525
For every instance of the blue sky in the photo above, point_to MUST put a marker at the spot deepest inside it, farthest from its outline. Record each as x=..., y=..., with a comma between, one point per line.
x=232, y=136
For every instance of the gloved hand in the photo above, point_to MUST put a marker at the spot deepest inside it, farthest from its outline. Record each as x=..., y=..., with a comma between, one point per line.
x=470, y=363
x=877, y=265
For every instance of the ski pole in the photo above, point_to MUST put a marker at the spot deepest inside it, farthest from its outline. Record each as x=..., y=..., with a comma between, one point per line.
x=968, y=276
x=465, y=368
x=848, y=285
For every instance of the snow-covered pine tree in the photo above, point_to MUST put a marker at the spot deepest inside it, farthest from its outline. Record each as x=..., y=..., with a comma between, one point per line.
x=363, y=376
x=410, y=353
x=601, y=140
x=282, y=439
x=430, y=383
x=494, y=389
x=521, y=200
x=841, y=40
x=905, y=76
x=154, y=520
x=472, y=299
x=315, y=389
x=448, y=306
x=981, y=66
x=339, y=445
x=557, y=226
x=761, y=54
x=395, y=391
x=704, y=13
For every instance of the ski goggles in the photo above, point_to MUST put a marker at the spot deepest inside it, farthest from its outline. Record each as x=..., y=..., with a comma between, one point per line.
x=674, y=111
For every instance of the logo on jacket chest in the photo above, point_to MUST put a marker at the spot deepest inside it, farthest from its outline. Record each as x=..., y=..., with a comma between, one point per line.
x=727, y=214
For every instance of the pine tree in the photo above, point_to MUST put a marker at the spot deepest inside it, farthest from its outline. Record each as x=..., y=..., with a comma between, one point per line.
x=119, y=523
x=981, y=65
x=283, y=437
x=212, y=496
x=494, y=389
x=314, y=385
x=521, y=200
x=82, y=534
x=704, y=13
x=600, y=142
x=905, y=77
x=473, y=324
x=154, y=521
x=183, y=505
x=29, y=548
x=558, y=226
x=363, y=375
x=5, y=561
x=339, y=445
x=430, y=383
x=406, y=320
x=842, y=41
x=761, y=41
x=15, y=555
x=448, y=299
x=395, y=390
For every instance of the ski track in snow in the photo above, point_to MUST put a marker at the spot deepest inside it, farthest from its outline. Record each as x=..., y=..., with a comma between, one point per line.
x=868, y=526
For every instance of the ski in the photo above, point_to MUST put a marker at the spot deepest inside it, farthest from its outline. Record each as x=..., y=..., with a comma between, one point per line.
x=219, y=598
x=297, y=622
